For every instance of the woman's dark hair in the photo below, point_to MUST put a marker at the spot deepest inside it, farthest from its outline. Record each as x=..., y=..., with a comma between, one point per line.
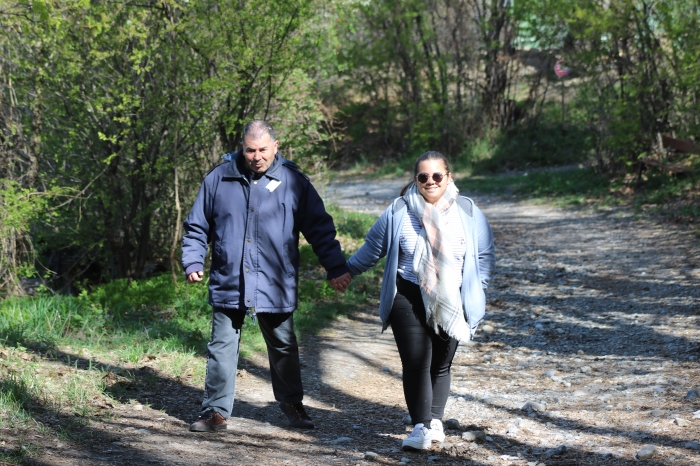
x=430, y=155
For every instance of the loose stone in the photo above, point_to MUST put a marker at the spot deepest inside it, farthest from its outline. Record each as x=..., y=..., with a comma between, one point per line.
x=605, y=453
x=657, y=412
x=693, y=393
x=341, y=440
x=407, y=421
x=679, y=421
x=533, y=406
x=452, y=424
x=560, y=450
x=474, y=436
x=692, y=445
x=371, y=456
x=646, y=452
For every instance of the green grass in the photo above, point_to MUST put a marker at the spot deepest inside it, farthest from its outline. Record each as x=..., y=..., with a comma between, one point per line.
x=64, y=356
x=570, y=184
x=669, y=197
x=353, y=225
x=523, y=148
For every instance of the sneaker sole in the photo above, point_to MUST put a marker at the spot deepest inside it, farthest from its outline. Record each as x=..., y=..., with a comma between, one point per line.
x=439, y=439
x=412, y=448
x=415, y=446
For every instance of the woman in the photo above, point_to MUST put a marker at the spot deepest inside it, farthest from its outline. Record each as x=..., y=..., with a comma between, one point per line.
x=440, y=256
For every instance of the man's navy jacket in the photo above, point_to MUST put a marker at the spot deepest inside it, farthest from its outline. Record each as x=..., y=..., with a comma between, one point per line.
x=253, y=226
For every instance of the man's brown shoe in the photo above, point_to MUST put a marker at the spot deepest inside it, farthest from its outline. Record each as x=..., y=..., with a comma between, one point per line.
x=297, y=415
x=209, y=422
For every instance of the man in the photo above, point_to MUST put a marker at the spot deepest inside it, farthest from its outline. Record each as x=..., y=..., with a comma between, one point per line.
x=251, y=210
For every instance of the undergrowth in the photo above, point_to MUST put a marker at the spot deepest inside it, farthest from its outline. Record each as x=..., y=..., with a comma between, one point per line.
x=63, y=359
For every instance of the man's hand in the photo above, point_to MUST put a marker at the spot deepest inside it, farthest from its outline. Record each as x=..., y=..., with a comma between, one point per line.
x=195, y=277
x=341, y=283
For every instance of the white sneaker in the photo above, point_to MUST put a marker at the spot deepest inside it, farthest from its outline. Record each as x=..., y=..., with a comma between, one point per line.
x=418, y=440
x=437, y=434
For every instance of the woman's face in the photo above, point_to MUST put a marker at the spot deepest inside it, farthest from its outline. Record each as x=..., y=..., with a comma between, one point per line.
x=432, y=190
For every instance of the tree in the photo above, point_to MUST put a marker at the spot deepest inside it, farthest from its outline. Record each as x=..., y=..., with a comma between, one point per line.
x=638, y=61
x=132, y=104
x=430, y=73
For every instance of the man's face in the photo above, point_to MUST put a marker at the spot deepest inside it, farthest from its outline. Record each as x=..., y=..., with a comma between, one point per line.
x=259, y=151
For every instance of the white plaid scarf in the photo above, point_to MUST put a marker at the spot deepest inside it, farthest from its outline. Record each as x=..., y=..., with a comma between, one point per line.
x=434, y=265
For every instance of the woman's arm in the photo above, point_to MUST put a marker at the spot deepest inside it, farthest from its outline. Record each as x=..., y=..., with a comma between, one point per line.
x=487, y=250
x=375, y=246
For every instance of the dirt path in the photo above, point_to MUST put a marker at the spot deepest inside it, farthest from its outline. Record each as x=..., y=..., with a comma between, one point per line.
x=592, y=322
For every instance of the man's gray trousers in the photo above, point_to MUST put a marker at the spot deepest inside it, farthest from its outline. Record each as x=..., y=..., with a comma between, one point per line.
x=223, y=350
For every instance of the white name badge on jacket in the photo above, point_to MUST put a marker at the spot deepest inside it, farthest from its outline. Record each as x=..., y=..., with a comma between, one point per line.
x=272, y=185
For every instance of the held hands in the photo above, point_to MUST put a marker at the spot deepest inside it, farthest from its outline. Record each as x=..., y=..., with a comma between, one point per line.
x=195, y=277
x=341, y=283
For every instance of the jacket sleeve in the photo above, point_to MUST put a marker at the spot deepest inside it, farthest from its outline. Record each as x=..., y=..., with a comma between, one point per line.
x=196, y=233
x=375, y=247
x=317, y=227
x=487, y=249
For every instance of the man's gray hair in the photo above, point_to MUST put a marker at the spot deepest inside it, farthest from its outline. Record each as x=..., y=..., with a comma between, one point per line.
x=257, y=128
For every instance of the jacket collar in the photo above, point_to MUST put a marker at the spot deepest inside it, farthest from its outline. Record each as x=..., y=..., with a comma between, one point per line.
x=236, y=168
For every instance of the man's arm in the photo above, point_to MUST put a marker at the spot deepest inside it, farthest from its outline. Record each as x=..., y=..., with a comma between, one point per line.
x=196, y=238
x=317, y=227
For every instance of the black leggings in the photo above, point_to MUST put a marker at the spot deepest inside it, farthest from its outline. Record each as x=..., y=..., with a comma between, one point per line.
x=426, y=356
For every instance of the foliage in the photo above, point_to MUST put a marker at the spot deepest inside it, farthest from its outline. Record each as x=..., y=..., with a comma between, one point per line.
x=134, y=103
x=130, y=104
x=639, y=66
x=19, y=207
x=421, y=74
x=547, y=144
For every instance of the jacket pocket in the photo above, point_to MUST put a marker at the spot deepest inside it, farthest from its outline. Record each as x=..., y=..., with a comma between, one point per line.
x=286, y=253
x=288, y=267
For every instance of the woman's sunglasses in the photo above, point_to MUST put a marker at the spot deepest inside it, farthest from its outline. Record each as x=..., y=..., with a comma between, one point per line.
x=423, y=177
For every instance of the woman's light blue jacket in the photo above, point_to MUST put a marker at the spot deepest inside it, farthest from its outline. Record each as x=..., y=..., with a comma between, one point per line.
x=479, y=260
